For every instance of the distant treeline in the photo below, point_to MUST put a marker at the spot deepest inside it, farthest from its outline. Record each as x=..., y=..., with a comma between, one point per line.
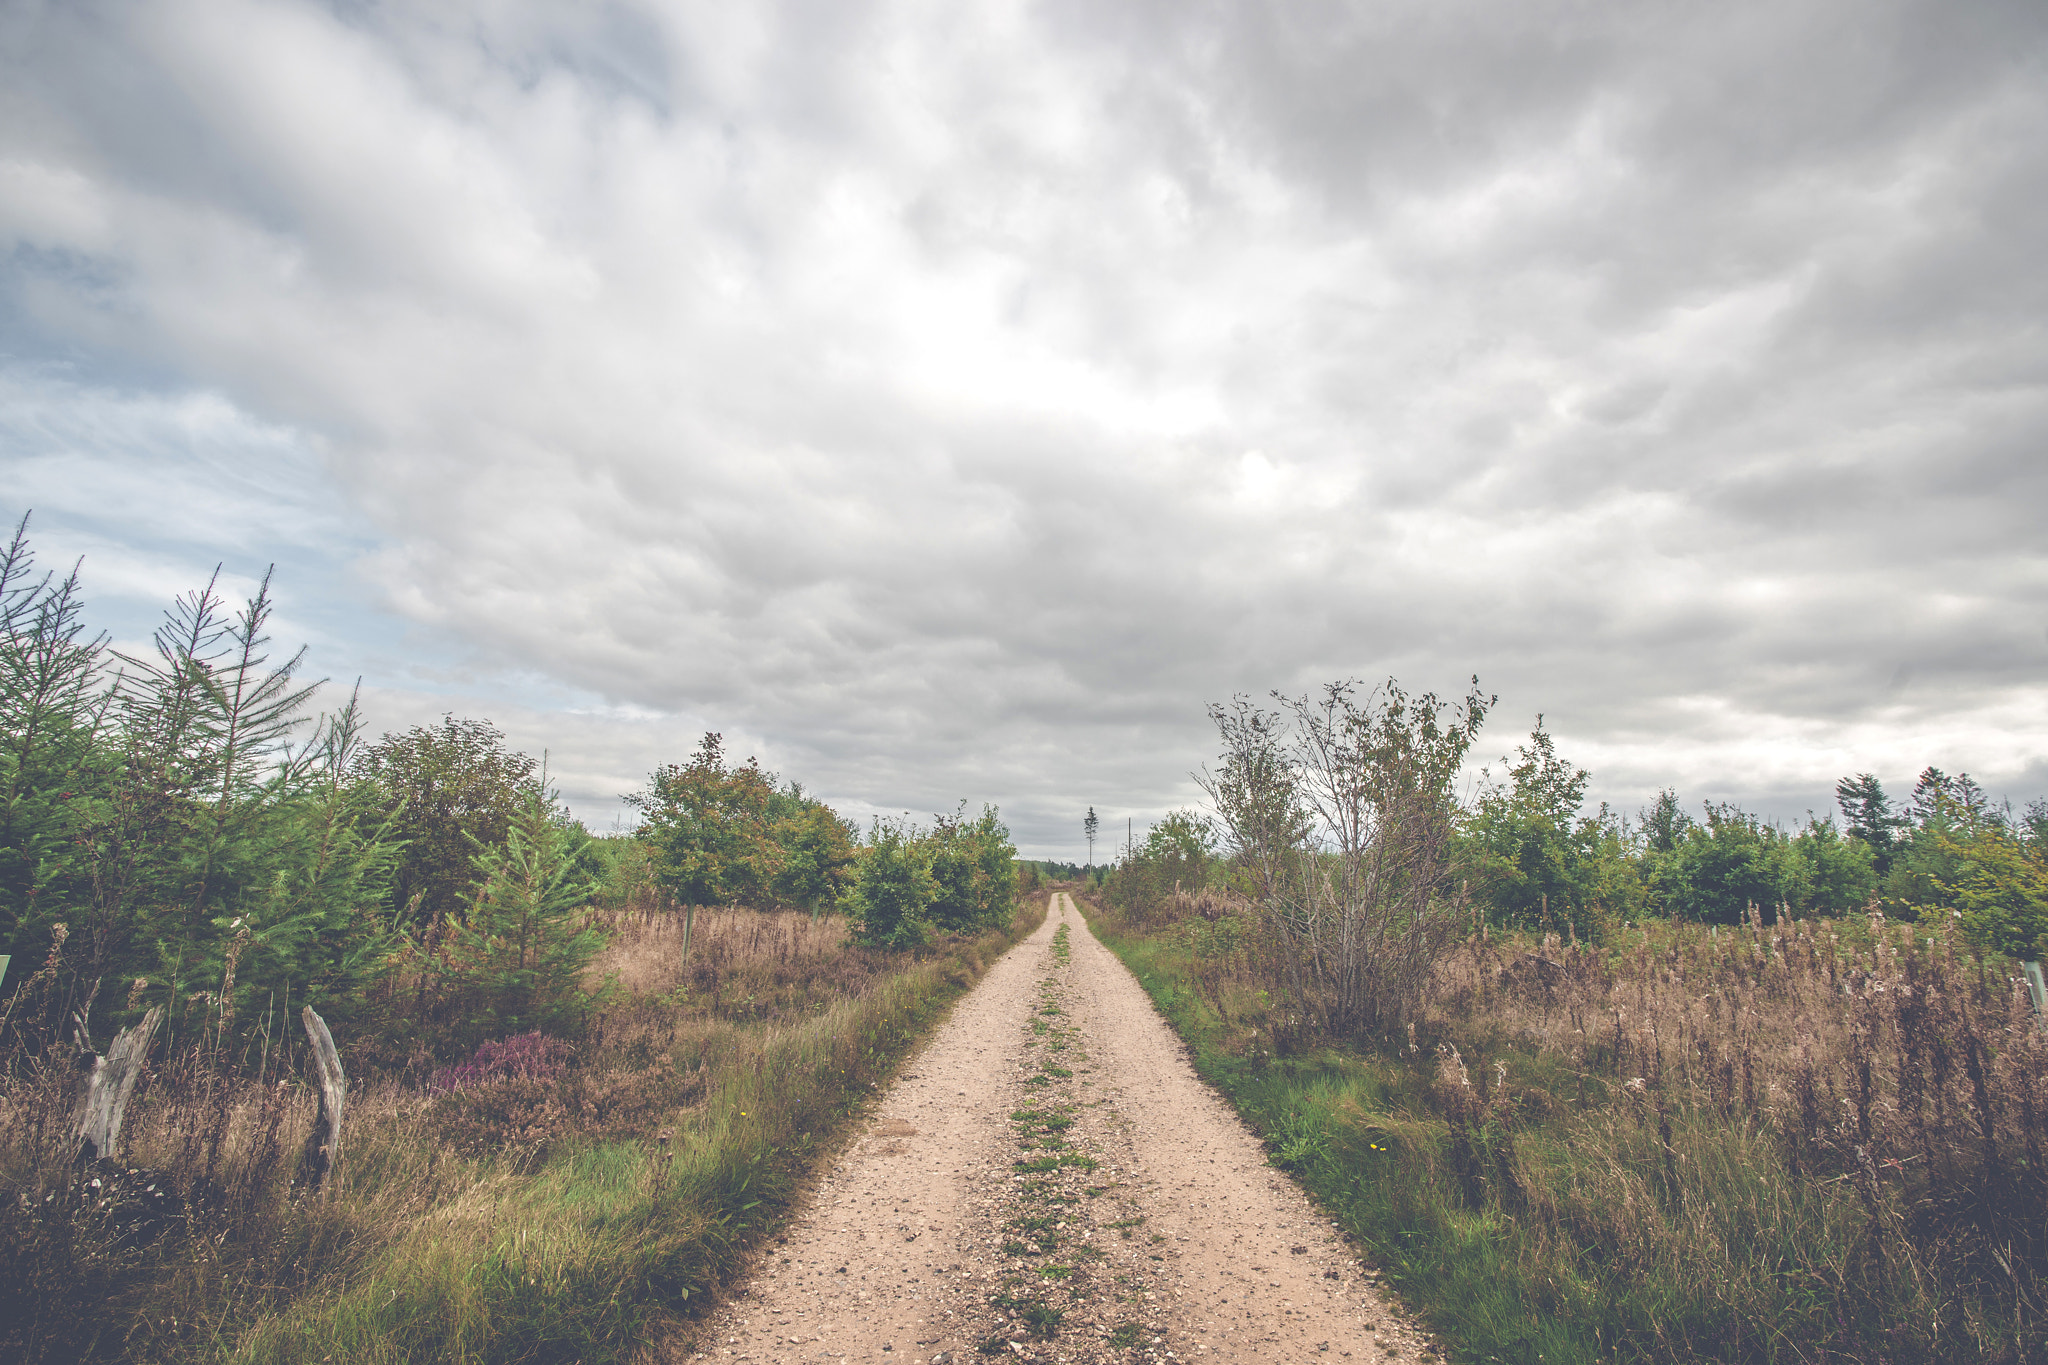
x=1051, y=871
x=1524, y=852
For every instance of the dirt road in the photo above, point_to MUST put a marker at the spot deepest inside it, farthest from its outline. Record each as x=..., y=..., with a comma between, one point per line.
x=1049, y=1181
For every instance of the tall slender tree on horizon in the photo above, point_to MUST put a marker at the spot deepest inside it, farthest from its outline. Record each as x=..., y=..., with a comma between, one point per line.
x=1088, y=827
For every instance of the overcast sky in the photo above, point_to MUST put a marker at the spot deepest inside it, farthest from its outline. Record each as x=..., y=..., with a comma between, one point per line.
x=950, y=400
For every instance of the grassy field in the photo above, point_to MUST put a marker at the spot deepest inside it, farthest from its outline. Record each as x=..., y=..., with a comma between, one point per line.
x=586, y=1210
x=1815, y=1142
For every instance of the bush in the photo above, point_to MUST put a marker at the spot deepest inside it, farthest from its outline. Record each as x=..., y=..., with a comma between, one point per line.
x=893, y=888
x=957, y=877
x=736, y=835
x=971, y=862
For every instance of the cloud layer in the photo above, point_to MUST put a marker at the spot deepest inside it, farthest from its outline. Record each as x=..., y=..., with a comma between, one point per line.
x=951, y=400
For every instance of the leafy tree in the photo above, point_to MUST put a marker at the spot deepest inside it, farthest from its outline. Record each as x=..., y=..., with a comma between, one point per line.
x=1529, y=854
x=1340, y=809
x=2000, y=888
x=970, y=863
x=1714, y=870
x=1262, y=817
x=708, y=825
x=1176, y=854
x=1184, y=836
x=448, y=789
x=818, y=857
x=622, y=866
x=1664, y=824
x=893, y=888
x=732, y=835
x=1721, y=866
x=1840, y=872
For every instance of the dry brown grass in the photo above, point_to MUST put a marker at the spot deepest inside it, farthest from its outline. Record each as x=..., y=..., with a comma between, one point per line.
x=1844, y=1037
x=730, y=950
x=1813, y=1141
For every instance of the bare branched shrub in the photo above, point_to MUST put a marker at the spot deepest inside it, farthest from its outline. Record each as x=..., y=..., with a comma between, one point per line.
x=1339, y=812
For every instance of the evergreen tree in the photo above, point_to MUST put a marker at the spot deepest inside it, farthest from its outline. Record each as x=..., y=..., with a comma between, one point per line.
x=52, y=712
x=512, y=962
x=1868, y=815
x=194, y=852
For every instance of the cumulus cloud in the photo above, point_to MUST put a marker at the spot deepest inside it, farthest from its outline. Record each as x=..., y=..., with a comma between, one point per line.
x=952, y=400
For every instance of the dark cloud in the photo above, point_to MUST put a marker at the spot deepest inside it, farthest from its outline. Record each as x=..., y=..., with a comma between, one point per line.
x=950, y=402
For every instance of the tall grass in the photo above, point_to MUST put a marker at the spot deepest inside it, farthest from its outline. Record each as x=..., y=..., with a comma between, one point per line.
x=586, y=1215
x=1821, y=1141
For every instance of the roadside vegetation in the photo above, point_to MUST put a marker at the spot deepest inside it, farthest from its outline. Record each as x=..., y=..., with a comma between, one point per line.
x=1586, y=1088
x=584, y=1073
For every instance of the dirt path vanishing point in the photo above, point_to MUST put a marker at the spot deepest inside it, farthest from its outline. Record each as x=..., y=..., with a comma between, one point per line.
x=1049, y=1181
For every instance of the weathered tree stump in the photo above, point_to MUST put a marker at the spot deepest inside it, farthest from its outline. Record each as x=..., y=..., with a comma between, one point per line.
x=104, y=1084
x=323, y=1144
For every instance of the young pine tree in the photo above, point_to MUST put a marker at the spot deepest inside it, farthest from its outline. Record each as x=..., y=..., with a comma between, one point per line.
x=513, y=962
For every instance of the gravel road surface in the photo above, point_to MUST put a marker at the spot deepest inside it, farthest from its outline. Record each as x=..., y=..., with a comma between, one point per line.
x=1049, y=1181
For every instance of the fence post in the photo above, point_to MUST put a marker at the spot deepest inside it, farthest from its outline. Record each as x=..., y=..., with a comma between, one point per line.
x=2036, y=986
x=323, y=1144
x=104, y=1084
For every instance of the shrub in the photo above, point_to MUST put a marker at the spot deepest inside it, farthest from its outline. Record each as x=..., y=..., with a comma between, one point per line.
x=893, y=889
x=1339, y=813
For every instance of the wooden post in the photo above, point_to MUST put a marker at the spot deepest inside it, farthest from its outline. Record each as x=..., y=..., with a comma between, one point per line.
x=323, y=1144
x=104, y=1084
